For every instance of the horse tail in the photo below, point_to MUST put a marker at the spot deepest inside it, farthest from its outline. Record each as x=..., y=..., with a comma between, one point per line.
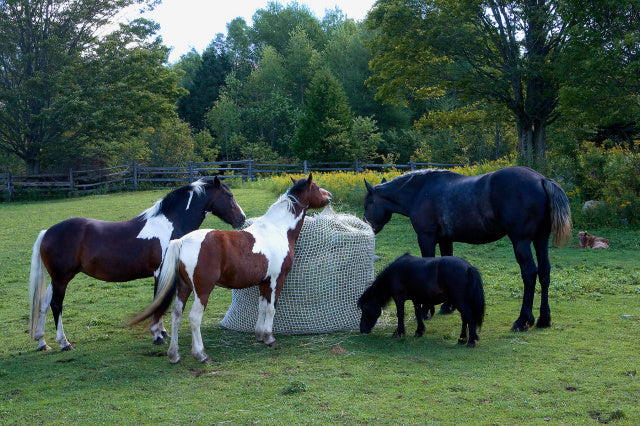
x=476, y=296
x=36, y=283
x=560, y=212
x=167, y=283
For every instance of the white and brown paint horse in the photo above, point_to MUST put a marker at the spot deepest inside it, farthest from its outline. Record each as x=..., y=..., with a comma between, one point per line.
x=118, y=251
x=261, y=254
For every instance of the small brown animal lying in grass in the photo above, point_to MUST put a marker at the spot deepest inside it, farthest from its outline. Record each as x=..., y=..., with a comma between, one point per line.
x=587, y=240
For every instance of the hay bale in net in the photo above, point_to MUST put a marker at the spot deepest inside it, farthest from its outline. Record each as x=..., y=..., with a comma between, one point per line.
x=333, y=264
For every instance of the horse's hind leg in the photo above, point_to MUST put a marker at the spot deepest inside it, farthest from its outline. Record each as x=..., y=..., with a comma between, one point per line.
x=541, y=246
x=157, y=330
x=195, y=319
x=176, y=318
x=45, y=302
x=528, y=271
x=57, y=297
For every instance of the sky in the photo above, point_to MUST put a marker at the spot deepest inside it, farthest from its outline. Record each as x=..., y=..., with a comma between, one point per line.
x=192, y=24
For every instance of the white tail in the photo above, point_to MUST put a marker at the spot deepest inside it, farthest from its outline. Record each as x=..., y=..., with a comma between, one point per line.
x=36, y=284
x=166, y=283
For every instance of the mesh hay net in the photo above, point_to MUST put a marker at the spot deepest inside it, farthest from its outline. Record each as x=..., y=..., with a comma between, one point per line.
x=333, y=264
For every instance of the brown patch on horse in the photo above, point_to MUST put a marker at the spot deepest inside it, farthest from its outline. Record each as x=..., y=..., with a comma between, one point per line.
x=587, y=240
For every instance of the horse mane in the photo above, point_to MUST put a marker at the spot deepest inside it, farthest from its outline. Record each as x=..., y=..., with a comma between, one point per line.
x=377, y=291
x=171, y=200
x=408, y=178
x=284, y=203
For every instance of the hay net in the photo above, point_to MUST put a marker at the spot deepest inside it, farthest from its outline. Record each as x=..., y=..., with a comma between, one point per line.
x=333, y=264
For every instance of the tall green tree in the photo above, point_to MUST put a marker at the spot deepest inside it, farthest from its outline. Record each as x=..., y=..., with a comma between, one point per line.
x=325, y=121
x=67, y=84
x=511, y=53
x=207, y=81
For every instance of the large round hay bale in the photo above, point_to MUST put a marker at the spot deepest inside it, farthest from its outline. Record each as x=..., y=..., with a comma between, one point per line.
x=333, y=264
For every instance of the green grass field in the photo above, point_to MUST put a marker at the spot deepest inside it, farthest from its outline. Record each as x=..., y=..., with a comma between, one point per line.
x=583, y=370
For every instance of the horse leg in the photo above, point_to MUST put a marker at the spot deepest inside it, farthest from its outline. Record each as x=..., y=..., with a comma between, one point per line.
x=467, y=323
x=541, y=246
x=528, y=271
x=267, y=309
x=156, y=328
x=57, y=297
x=195, y=319
x=176, y=318
x=420, y=311
x=45, y=302
x=400, y=313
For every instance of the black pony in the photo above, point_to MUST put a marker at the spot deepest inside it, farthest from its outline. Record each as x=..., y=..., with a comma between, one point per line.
x=445, y=207
x=426, y=281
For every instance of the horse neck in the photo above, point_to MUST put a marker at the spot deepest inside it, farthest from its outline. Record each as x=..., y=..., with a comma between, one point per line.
x=400, y=199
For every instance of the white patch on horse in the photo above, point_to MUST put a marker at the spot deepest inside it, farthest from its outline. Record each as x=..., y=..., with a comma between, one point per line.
x=197, y=188
x=157, y=227
x=270, y=234
x=190, y=250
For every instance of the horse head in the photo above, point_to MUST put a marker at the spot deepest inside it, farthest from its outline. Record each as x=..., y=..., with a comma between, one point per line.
x=309, y=194
x=371, y=310
x=220, y=202
x=376, y=213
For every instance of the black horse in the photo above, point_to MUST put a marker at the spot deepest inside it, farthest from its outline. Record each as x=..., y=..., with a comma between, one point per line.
x=445, y=207
x=426, y=281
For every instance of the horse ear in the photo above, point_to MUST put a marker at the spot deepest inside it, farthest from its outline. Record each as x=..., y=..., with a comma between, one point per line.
x=293, y=180
x=217, y=183
x=383, y=180
x=310, y=178
x=369, y=187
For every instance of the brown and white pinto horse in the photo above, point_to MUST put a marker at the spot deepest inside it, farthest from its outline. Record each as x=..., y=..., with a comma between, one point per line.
x=118, y=251
x=261, y=254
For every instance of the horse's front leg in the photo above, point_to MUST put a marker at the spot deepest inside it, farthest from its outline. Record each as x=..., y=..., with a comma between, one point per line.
x=420, y=311
x=400, y=313
x=267, y=310
x=45, y=302
x=528, y=271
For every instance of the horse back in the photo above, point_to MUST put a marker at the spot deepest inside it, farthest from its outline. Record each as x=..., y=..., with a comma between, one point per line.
x=483, y=208
x=224, y=258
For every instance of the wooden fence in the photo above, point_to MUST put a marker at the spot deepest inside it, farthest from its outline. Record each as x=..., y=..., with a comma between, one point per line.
x=133, y=176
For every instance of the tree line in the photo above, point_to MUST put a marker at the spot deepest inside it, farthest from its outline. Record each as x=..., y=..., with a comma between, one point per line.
x=442, y=81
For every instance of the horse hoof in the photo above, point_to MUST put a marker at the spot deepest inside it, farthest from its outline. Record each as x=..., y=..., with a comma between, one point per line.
x=471, y=344
x=520, y=326
x=164, y=334
x=462, y=341
x=44, y=347
x=396, y=334
x=174, y=360
x=418, y=334
x=67, y=348
x=543, y=323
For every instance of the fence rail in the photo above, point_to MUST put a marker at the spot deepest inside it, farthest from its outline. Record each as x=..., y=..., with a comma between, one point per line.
x=132, y=176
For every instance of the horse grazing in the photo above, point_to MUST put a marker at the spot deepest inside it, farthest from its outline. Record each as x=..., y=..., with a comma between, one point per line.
x=445, y=207
x=426, y=281
x=261, y=254
x=118, y=251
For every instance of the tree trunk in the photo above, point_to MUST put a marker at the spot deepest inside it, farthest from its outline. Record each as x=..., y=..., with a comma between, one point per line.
x=33, y=166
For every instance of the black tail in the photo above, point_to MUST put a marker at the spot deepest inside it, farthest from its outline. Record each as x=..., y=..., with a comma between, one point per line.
x=475, y=296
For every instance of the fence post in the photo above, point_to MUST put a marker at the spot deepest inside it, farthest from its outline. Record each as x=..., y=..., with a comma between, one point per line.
x=412, y=165
x=9, y=185
x=250, y=169
x=135, y=174
x=191, y=172
x=71, y=185
x=304, y=167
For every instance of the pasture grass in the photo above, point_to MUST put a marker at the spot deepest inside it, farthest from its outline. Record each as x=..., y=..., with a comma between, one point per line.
x=582, y=370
